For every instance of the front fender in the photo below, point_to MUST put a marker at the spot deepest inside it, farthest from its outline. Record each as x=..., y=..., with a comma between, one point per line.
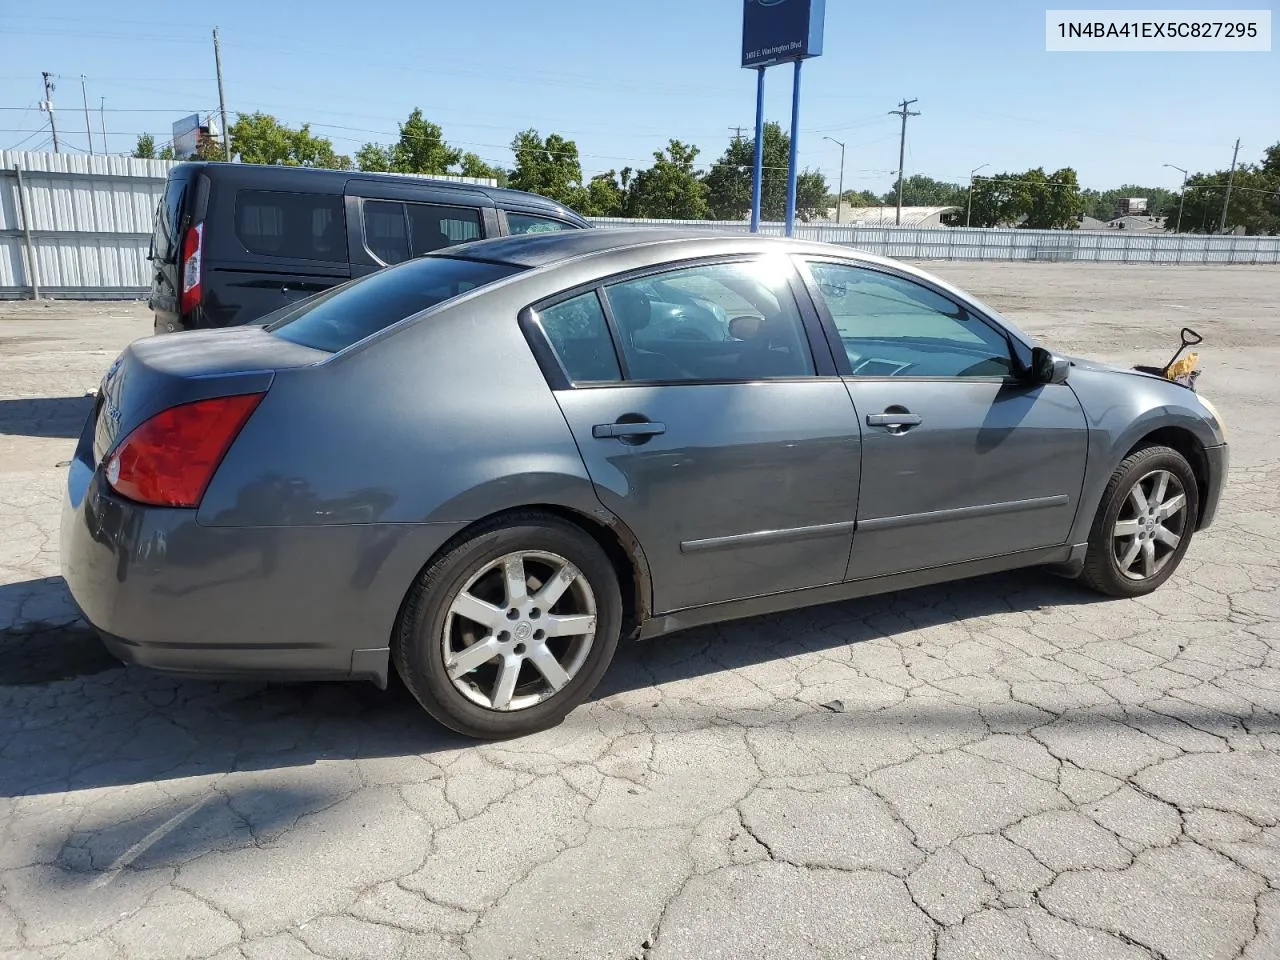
x=1121, y=410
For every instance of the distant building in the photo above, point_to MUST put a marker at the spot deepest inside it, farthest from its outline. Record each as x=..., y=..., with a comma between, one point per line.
x=884, y=216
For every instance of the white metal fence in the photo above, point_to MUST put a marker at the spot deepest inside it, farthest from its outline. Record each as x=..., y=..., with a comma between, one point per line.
x=76, y=226
x=963, y=243
x=79, y=227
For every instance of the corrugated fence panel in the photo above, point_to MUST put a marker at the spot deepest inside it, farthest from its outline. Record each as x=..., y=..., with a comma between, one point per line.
x=90, y=222
x=962, y=243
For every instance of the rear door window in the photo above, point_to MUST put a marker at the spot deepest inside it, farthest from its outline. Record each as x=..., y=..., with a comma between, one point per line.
x=385, y=233
x=527, y=223
x=348, y=314
x=434, y=228
x=579, y=334
x=292, y=226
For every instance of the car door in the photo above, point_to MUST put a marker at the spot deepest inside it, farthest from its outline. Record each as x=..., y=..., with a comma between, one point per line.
x=962, y=458
x=710, y=426
x=266, y=248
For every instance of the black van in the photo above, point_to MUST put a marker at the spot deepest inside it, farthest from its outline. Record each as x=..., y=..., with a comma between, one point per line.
x=235, y=241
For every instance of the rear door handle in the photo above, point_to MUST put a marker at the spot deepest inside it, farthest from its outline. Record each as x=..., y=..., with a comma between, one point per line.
x=646, y=428
x=894, y=419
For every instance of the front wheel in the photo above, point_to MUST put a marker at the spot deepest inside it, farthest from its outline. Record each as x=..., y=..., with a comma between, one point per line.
x=510, y=630
x=1144, y=524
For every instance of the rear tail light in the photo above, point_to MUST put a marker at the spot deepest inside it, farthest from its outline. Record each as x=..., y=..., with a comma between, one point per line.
x=169, y=460
x=192, y=279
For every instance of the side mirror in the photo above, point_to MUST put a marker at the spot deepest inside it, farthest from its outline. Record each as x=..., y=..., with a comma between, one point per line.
x=1048, y=368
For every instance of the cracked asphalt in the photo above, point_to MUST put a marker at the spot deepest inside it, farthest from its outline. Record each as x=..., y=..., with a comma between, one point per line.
x=1006, y=767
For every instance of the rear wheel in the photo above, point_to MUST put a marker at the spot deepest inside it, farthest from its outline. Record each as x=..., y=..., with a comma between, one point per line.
x=510, y=630
x=1144, y=523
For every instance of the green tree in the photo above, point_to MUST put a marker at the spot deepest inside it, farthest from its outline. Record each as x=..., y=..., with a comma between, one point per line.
x=261, y=138
x=729, y=180
x=1271, y=160
x=1104, y=205
x=607, y=194
x=145, y=149
x=1254, y=202
x=921, y=191
x=670, y=189
x=374, y=158
x=812, y=195
x=1049, y=201
x=1030, y=199
x=860, y=198
x=548, y=167
x=421, y=148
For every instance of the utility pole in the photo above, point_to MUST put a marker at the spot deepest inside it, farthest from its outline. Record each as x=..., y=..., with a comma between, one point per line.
x=840, y=195
x=902, y=112
x=88, y=130
x=102, y=117
x=1230, y=179
x=1182, y=197
x=968, y=213
x=737, y=132
x=48, y=105
x=222, y=100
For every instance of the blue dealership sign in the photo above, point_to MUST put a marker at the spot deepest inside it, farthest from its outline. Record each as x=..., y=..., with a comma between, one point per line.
x=778, y=31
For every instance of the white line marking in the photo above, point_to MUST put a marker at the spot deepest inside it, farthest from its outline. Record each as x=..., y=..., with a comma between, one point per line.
x=141, y=847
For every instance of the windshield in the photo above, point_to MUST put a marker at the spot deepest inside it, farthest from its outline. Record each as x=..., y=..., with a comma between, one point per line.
x=348, y=314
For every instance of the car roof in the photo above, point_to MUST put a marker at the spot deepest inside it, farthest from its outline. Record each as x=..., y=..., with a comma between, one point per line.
x=336, y=178
x=531, y=250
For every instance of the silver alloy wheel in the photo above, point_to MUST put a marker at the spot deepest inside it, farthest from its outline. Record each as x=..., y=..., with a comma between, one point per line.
x=1150, y=525
x=519, y=630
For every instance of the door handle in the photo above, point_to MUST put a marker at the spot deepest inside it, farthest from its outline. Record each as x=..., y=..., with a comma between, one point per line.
x=628, y=431
x=894, y=419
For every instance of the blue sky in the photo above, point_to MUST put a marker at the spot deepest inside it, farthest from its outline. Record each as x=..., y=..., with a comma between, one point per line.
x=621, y=79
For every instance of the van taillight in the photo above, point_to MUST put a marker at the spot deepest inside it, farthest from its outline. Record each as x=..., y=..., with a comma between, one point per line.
x=169, y=460
x=192, y=254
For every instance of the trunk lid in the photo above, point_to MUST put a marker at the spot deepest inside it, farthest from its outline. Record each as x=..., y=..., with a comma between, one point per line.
x=156, y=373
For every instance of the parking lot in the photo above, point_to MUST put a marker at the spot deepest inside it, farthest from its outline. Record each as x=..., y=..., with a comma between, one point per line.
x=1002, y=768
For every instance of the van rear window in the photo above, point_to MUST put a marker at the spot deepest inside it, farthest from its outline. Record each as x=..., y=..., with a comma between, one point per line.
x=164, y=240
x=293, y=226
x=347, y=314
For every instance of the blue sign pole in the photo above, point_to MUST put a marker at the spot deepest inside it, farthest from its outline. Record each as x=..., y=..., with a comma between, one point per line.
x=795, y=143
x=758, y=167
x=775, y=31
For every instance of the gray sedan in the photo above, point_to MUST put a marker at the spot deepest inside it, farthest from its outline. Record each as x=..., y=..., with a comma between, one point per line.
x=485, y=467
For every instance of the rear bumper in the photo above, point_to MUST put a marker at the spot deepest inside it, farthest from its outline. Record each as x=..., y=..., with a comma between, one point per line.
x=287, y=603
x=1219, y=462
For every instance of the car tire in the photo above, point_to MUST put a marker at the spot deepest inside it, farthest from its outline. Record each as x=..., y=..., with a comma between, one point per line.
x=1138, y=539
x=471, y=577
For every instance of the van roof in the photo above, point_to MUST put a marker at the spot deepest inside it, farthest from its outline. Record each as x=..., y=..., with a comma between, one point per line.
x=278, y=173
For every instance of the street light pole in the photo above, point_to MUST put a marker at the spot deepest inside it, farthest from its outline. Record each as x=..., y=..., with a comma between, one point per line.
x=1182, y=197
x=840, y=195
x=969, y=209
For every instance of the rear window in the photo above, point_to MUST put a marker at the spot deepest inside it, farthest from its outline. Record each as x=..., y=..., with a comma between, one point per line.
x=164, y=242
x=294, y=226
x=347, y=314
